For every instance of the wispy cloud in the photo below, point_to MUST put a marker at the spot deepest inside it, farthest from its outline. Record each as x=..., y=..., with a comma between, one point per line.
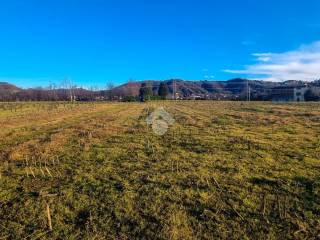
x=301, y=64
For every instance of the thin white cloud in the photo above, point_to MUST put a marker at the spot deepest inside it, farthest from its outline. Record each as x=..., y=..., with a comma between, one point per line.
x=301, y=64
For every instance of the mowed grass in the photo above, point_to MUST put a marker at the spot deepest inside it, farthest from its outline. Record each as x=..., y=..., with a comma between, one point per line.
x=228, y=170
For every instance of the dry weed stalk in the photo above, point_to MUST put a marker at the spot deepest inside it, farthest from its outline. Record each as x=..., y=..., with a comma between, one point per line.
x=49, y=217
x=264, y=204
x=43, y=174
x=47, y=169
x=31, y=170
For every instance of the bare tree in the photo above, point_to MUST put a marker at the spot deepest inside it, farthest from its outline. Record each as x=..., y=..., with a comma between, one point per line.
x=109, y=92
x=53, y=93
x=69, y=88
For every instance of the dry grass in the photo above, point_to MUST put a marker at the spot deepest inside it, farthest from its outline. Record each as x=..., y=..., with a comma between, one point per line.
x=227, y=170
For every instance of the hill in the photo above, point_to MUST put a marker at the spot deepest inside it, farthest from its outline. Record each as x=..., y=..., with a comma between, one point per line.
x=4, y=86
x=234, y=89
x=231, y=89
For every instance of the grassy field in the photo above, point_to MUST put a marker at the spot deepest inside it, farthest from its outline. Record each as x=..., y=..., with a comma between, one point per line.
x=228, y=170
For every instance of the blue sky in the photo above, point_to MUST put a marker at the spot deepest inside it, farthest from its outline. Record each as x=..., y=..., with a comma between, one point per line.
x=93, y=42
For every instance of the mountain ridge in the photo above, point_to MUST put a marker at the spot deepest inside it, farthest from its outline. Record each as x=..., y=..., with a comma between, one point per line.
x=233, y=89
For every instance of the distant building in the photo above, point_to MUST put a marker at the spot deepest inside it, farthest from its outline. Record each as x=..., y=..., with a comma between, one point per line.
x=195, y=97
x=299, y=93
x=289, y=94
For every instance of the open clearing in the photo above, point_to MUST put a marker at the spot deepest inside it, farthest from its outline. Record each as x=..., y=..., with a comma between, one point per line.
x=230, y=170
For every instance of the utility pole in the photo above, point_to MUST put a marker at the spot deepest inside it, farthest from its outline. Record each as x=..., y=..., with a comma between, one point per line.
x=174, y=89
x=248, y=91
